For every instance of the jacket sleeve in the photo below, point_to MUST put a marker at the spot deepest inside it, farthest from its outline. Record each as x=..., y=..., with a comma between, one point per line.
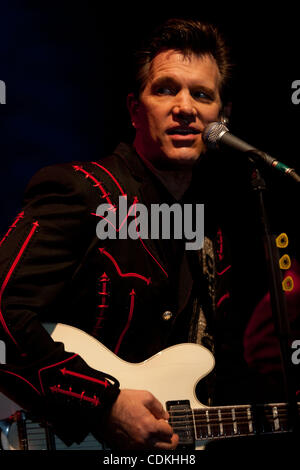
x=38, y=257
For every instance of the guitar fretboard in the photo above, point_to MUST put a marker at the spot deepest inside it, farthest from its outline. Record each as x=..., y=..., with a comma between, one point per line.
x=230, y=421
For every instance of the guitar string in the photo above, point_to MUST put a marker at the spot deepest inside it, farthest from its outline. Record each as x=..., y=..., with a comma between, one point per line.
x=214, y=422
x=228, y=418
x=242, y=408
x=218, y=423
x=224, y=413
x=90, y=443
x=214, y=417
x=211, y=422
x=282, y=421
x=224, y=417
x=214, y=430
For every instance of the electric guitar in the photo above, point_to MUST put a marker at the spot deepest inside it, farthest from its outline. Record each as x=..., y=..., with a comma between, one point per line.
x=171, y=375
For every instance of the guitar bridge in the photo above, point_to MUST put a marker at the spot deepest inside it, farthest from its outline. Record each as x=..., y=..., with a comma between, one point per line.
x=182, y=421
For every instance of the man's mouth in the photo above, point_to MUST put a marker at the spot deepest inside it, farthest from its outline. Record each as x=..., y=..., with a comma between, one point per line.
x=182, y=131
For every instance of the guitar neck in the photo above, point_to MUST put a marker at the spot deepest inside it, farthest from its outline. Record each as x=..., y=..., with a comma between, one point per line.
x=205, y=424
x=195, y=427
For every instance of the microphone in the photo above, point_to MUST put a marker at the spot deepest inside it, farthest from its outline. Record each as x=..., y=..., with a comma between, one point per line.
x=216, y=136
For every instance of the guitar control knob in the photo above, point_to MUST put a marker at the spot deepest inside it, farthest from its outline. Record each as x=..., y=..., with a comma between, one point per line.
x=167, y=315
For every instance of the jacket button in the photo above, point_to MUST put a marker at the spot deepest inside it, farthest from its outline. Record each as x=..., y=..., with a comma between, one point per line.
x=167, y=315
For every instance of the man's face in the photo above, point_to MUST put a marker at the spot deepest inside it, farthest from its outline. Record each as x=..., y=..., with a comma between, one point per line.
x=180, y=98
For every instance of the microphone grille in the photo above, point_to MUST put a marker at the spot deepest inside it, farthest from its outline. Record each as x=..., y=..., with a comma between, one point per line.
x=212, y=134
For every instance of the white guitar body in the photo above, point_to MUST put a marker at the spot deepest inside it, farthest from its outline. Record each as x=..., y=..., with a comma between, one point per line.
x=171, y=374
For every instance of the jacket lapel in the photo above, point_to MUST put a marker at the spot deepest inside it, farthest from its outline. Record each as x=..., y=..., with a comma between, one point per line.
x=149, y=190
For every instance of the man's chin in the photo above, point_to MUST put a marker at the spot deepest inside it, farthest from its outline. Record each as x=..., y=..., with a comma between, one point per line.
x=184, y=156
x=183, y=160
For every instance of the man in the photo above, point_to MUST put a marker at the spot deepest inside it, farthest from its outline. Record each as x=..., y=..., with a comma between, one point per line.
x=136, y=296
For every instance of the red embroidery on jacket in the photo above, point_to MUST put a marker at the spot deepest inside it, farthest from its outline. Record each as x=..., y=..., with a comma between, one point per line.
x=123, y=221
x=121, y=274
x=81, y=396
x=8, y=276
x=220, y=245
x=14, y=224
x=224, y=297
x=53, y=365
x=149, y=251
x=224, y=271
x=21, y=378
x=111, y=176
x=97, y=184
x=132, y=299
x=104, y=305
x=65, y=371
x=134, y=204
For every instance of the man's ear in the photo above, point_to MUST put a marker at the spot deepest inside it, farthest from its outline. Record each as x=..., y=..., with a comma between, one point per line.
x=132, y=105
x=225, y=113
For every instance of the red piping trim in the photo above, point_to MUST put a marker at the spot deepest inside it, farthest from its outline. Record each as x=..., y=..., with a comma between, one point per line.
x=135, y=200
x=65, y=371
x=56, y=389
x=149, y=251
x=224, y=297
x=220, y=248
x=22, y=378
x=112, y=259
x=111, y=175
x=14, y=224
x=53, y=365
x=224, y=271
x=104, y=297
x=132, y=295
x=8, y=276
x=97, y=183
x=124, y=220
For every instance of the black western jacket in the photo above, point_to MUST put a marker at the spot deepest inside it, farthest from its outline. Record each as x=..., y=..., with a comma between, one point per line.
x=131, y=294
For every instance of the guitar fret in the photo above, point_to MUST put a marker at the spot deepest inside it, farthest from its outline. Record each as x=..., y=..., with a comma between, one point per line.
x=244, y=421
x=276, y=419
x=228, y=417
x=214, y=423
x=194, y=423
x=208, y=425
x=235, y=429
x=220, y=422
x=250, y=422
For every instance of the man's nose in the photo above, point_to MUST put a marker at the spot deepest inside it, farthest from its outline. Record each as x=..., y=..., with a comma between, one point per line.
x=184, y=108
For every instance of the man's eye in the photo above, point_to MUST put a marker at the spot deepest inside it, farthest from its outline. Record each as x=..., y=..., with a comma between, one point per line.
x=198, y=95
x=165, y=91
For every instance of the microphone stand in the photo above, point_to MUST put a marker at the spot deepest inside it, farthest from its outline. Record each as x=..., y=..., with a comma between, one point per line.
x=277, y=296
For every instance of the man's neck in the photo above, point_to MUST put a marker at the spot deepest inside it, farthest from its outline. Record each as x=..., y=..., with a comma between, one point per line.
x=176, y=181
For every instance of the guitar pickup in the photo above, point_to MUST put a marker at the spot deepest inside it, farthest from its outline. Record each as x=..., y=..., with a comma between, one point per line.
x=182, y=421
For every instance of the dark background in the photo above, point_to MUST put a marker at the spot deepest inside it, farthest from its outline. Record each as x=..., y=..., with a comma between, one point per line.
x=65, y=66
